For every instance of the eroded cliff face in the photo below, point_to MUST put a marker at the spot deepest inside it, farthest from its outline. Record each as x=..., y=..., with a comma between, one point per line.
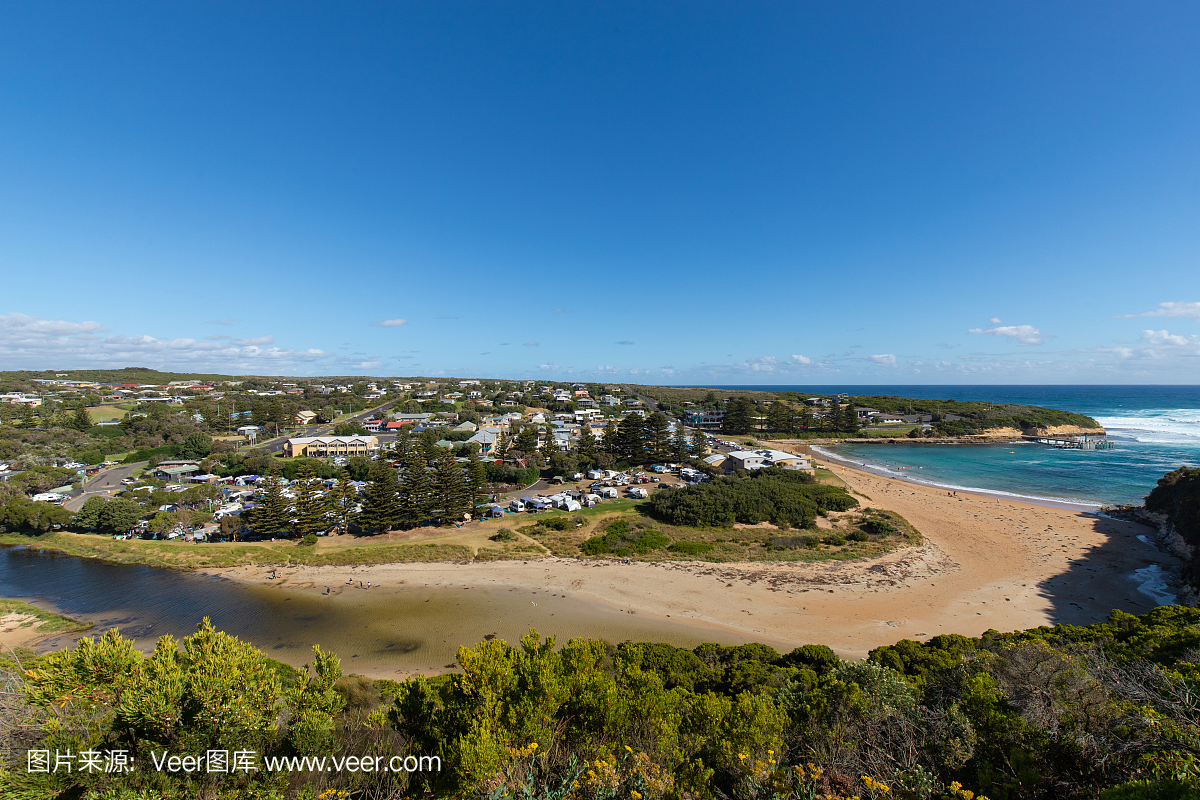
x=1066, y=430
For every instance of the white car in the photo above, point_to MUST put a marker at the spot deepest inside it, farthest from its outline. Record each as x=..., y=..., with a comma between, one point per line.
x=128, y=481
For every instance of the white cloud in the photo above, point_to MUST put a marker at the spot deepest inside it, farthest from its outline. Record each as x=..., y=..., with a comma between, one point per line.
x=886, y=358
x=389, y=323
x=1168, y=338
x=607, y=368
x=1024, y=335
x=1188, y=310
x=803, y=360
x=548, y=367
x=996, y=321
x=35, y=343
x=258, y=341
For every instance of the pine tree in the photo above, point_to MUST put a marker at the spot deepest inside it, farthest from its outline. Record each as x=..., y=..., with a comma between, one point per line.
x=631, y=439
x=849, y=420
x=381, y=507
x=500, y=448
x=699, y=444
x=680, y=446
x=658, y=437
x=416, y=487
x=82, y=420
x=527, y=440
x=343, y=498
x=270, y=513
x=311, y=507
x=476, y=481
x=587, y=446
x=450, y=488
x=611, y=437
x=781, y=416
x=223, y=419
x=738, y=418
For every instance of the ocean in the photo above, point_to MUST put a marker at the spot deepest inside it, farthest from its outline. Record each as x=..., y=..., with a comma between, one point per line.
x=1156, y=429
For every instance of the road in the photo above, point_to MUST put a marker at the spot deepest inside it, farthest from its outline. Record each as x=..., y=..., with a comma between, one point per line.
x=104, y=483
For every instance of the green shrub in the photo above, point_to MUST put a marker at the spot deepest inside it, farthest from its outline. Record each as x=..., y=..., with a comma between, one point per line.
x=879, y=527
x=309, y=540
x=503, y=535
x=834, y=540
x=858, y=536
x=622, y=539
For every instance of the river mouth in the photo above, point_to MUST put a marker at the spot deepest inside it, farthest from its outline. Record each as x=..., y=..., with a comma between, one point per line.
x=385, y=632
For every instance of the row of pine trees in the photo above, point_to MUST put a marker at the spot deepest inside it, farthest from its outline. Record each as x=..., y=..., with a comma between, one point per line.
x=406, y=487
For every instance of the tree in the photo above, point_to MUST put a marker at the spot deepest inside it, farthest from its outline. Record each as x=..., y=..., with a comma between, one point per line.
x=699, y=444
x=450, y=488
x=781, y=416
x=416, y=487
x=657, y=432
x=476, y=481
x=120, y=515
x=222, y=420
x=88, y=516
x=381, y=508
x=632, y=440
x=343, y=498
x=609, y=441
x=587, y=446
x=680, y=447
x=739, y=416
x=270, y=513
x=82, y=420
x=325, y=415
x=849, y=420
x=311, y=507
x=526, y=441
x=196, y=445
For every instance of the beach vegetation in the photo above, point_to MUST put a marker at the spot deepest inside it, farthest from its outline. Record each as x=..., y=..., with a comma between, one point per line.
x=776, y=495
x=1054, y=713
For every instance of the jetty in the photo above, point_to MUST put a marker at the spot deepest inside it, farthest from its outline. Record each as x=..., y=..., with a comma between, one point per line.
x=1074, y=442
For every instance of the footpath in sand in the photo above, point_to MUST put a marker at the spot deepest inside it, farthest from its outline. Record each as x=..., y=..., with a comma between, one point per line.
x=986, y=563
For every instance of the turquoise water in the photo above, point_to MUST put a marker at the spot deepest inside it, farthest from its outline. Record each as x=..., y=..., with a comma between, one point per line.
x=1155, y=429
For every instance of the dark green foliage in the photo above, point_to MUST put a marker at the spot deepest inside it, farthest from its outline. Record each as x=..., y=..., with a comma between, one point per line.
x=381, y=506
x=308, y=540
x=503, y=535
x=879, y=527
x=858, y=536
x=622, y=539
x=197, y=445
x=776, y=495
x=1153, y=790
x=817, y=657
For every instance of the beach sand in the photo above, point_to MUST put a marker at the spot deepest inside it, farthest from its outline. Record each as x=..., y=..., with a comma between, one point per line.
x=987, y=563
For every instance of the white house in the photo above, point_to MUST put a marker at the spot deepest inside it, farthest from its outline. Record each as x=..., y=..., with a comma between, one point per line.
x=758, y=459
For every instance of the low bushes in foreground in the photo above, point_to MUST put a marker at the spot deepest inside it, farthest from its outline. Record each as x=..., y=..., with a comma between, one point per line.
x=1056, y=713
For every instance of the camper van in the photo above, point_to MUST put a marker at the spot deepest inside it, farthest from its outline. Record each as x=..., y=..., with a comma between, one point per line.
x=516, y=505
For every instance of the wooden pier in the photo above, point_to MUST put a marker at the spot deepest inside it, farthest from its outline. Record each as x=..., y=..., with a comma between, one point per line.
x=1075, y=442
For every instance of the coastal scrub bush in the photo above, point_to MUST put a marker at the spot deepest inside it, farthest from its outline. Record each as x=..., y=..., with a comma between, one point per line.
x=622, y=539
x=503, y=535
x=775, y=494
x=879, y=527
x=809, y=541
x=834, y=540
x=309, y=540
x=858, y=536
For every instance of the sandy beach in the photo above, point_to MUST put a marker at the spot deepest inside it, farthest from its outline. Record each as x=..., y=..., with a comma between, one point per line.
x=987, y=563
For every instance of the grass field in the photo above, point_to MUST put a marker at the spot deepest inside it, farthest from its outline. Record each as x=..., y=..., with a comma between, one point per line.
x=105, y=413
x=49, y=621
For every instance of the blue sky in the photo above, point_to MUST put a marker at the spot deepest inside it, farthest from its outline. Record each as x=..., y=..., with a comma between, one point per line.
x=791, y=193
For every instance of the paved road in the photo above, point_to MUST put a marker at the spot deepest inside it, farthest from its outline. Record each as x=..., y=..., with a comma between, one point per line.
x=104, y=483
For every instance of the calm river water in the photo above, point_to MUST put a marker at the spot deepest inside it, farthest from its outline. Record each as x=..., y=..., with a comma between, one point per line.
x=382, y=633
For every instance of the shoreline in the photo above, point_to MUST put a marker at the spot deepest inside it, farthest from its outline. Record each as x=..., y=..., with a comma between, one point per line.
x=1005, y=565
x=884, y=472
